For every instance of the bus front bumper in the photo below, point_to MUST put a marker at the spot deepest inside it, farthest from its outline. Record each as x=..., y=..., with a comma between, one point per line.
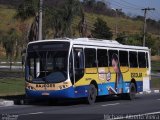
x=64, y=93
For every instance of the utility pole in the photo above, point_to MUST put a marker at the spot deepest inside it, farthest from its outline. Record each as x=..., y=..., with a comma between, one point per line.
x=40, y=20
x=144, y=27
x=116, y=27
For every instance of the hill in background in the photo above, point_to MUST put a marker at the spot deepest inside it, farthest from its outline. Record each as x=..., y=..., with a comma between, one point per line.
x=126, y=24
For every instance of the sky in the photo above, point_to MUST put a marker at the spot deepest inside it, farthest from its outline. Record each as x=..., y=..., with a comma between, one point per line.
x=133, y=7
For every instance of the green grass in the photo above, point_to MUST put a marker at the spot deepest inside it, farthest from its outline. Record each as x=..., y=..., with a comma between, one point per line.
x=8, y=64
x=155, y=83
x=7, y=18
x=155, y=66
x=155, y=63
x=11, y=86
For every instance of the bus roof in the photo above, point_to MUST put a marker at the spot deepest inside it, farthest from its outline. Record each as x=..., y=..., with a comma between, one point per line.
x=94, y=42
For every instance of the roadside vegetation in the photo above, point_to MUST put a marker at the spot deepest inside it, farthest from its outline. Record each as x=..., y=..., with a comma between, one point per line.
x=155, y=80
x=11, y=86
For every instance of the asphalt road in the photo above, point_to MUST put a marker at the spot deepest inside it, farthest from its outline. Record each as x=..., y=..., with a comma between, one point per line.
x=144, y=106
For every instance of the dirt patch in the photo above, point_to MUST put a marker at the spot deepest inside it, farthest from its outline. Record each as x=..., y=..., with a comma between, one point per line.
x=155, y=58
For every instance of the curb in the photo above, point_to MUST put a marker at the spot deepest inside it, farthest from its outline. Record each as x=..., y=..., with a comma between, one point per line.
x=6, y=103
x=149, y=91
x=156, y=91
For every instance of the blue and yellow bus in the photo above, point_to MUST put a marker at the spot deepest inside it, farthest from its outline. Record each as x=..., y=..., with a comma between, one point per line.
x=83, y=67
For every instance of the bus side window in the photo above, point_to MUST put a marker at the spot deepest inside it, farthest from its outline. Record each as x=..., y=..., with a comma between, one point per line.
x=142, y=59
x=78, y=59
x=102, y=58
x=90, y=58
x=123, y=58
x=78, y=63
x=111, y=53
x=133, y=59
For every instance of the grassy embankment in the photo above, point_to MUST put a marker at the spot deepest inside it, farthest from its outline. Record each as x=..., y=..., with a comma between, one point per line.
x=124, y=25
x=155, y=81
x=11, y=86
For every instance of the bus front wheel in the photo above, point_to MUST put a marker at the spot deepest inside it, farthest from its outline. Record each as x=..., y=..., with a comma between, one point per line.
x=92, y=94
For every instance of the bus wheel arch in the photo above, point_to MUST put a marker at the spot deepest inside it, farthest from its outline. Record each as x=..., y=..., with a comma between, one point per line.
x=134, y=81
x=132, y=91
x=95, y=84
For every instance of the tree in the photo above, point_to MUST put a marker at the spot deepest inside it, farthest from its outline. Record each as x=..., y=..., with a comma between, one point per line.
x=135, y=39
x=9, y=42
x=122, y=38
x=28, y=9
x=101, y=30
x=157, y=46
x=71, y=8
x=100, y=7
x=60, y=18
x=82, y=26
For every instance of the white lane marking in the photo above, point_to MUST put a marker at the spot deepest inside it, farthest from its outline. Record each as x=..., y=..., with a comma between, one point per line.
x=158, y=99
x=134, y=116
x=7, y=106
x=110, y=104
x=31, y=113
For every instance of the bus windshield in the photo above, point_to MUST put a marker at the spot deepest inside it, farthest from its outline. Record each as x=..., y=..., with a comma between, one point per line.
x=47, y=62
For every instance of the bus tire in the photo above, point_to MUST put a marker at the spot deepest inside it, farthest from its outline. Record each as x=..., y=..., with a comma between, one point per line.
x=132, y=92
x=92, y=94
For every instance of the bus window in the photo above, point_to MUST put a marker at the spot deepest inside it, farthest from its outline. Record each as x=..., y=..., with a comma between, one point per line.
x=142, y=59
x=111, y=52
x=90, y=58
x=78, y=63
x=123, y=58
x=147, y=60
x=102, y=58
x=32, y=65
x=133, y=59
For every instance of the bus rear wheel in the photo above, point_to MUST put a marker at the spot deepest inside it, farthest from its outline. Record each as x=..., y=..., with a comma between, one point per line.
x=132, y=92
x=92, y=94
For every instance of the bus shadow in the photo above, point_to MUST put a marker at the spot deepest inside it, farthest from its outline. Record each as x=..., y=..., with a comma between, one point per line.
x=70, y=102
x=83, y=101
x=22, y=100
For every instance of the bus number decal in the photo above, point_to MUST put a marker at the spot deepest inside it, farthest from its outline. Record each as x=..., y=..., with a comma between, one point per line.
x=136, y=75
